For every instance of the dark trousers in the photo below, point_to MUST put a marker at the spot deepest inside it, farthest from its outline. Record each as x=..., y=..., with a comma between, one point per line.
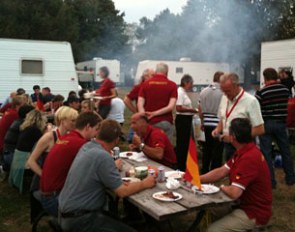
x=183, y=124
x=278, y=131
x=213, y=149
x=104, y=110
x=95, y=222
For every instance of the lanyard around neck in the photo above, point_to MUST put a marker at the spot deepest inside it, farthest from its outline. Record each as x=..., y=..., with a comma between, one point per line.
x=227, y=114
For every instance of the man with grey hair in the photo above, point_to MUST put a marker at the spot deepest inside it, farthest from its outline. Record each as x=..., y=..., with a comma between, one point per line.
x=236, y=103
x=132, y=96
x=157, y=98
x=210, y=98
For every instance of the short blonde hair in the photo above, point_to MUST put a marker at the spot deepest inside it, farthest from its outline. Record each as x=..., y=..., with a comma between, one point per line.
x=34, y=118
x=63, y=113
x=90, y=104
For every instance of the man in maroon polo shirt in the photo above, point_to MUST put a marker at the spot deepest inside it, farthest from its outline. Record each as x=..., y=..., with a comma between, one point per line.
x=61, y=156
x=157, y=98
x=9, y=117
x=152, y=141
x=250, y=182
x=132, y=96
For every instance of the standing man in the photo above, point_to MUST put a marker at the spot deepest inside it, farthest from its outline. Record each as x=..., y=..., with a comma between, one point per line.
x=286, y=78
x=132, y=96
x=210, y=98
x=157, y=98
x=153, y=142
x=273, y=99
x=92, y=174
x=47, y=95
x=249, y=182
x=236, y=103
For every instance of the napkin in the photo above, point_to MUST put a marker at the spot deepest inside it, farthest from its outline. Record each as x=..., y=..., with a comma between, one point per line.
x=172, y=183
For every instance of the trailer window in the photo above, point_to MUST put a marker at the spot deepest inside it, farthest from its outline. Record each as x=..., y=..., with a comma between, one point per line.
x=179, y=70
x=32, y=67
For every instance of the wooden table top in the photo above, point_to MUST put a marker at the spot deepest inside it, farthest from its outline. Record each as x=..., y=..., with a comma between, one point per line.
x=164, y=210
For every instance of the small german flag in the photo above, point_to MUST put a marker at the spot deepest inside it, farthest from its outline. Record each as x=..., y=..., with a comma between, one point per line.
x=192, y=173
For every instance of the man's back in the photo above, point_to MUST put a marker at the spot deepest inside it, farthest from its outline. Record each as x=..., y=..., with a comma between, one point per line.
x=91, y=174
x=249, y=171
x=157, y=93
x=8, y=118
x=59, y=160
x=273, y=100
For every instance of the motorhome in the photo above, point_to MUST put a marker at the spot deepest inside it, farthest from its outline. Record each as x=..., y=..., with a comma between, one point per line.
x=88, y=72
x=24, y=63
x=278, y=55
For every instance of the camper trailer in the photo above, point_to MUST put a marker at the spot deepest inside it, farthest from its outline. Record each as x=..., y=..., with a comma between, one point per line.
x=88, y=72
x=202, y=73
x=24, y=63
x=278, y=55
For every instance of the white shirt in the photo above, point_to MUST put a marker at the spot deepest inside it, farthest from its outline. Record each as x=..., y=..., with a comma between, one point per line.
x=247, y=107
x=183, y=100
x=117, y=110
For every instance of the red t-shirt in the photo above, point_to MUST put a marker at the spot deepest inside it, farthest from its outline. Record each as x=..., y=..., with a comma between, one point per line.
x=7, y=119
x=249, y=171
x=59, y=161
x=155, y=137
x=5, y=107
x=133, y=94
x=157, y=93
x=105, y=90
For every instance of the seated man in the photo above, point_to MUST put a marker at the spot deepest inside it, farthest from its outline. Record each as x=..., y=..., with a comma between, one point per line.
x=92, y=173
x=61, y=156
x=153, y=142
x=249, y=182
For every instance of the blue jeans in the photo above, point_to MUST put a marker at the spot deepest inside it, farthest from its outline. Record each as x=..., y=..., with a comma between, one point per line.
x=50, y=204
x=277, y=130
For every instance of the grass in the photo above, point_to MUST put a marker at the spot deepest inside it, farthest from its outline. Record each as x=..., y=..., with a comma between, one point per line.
x=15, y=208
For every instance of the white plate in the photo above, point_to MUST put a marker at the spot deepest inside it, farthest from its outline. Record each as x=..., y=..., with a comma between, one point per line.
x=159, y=196
x=98, y=97
x=130, y=179
x=207, y=189
x=123, y=155
x=174, y=174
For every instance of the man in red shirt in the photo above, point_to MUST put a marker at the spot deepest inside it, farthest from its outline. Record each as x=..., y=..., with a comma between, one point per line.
x=250, y=182
x=157, y=98
x=61, y=156
x=107, y=91
x=9, y=117
x=132, y=96
x=152, y=141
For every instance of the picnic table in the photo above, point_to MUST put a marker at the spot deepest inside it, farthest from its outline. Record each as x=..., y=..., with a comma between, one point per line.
x=161, y=211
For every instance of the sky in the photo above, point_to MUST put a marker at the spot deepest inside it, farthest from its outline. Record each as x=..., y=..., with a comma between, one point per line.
x=136, y=9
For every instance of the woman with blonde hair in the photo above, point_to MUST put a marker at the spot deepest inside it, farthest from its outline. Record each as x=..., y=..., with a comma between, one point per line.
x=31, y=130
x=88, y=106
x=65, y=118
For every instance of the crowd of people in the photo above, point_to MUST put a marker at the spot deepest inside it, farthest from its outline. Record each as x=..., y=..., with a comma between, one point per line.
x=70, y=158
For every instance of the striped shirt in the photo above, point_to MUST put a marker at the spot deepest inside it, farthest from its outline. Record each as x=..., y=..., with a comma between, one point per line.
x=273, y=100
x=210, y=98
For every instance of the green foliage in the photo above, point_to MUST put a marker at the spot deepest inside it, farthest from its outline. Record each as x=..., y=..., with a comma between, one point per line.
x=93, y=27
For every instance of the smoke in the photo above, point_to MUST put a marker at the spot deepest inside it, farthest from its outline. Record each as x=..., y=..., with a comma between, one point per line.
x=228, y=31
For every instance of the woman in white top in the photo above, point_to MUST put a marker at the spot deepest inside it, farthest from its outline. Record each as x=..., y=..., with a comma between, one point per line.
x=183, y=121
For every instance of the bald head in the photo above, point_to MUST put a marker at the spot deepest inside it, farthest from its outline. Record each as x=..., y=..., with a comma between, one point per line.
x=139, y=116
x=162, y=68
x=139, y=123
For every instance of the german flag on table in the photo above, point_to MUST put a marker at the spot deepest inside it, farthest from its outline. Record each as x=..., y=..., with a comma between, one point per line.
x=192, y=173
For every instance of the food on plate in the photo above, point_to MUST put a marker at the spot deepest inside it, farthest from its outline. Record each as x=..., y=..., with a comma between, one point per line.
x=169, y=195
x=129, y=154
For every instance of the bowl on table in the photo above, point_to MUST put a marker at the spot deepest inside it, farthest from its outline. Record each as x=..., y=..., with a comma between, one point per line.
x=141, y=172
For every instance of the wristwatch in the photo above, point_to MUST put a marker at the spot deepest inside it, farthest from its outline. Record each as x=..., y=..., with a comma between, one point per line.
x=141, y=146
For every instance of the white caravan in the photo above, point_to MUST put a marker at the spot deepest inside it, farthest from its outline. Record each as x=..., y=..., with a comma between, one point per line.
x=92, y=68
x=24, y=63
x=202, y=73
x=277, y=55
